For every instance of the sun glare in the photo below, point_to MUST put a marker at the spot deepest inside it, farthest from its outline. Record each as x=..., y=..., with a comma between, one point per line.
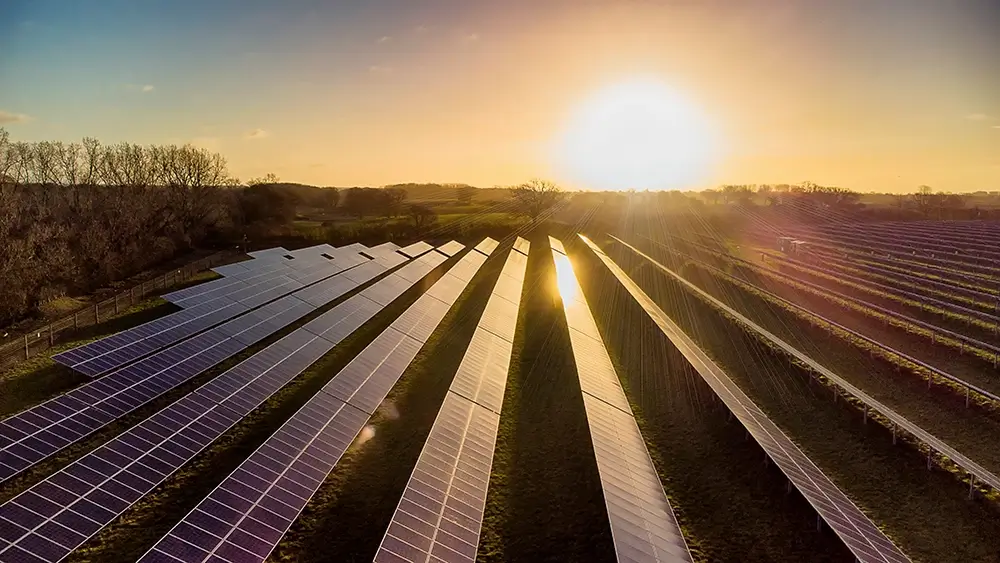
x=640, y=134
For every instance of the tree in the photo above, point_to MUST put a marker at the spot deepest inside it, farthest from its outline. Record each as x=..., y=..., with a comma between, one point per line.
x=357, y=202
x=924, y=199
x=534, y=197
x=422, y=215
x=268, y=178
x=394, y=200
x=464, y=194
x=712, y=196
x=331, y=196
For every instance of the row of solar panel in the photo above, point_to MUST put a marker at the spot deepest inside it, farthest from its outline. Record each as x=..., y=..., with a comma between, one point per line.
x=861, y=536
x=57, y=515
x=36, y=433
x=643, y=525
x=245, y=517
x=440, y=513
x=126, y=346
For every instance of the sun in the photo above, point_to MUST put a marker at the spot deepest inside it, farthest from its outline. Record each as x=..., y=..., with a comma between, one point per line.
x=639, y=134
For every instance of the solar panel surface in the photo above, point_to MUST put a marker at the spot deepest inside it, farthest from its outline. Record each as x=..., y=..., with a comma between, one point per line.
x=245, y=517
x=521, y=245
x=441, y=510
x=452, y=248
x=132, y=464
x=415, y=249
x=36, y=433
x=854, y=528
x=643, y=525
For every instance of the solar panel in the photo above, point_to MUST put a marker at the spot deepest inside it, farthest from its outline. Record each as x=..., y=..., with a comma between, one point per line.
x=244, y=518
x=452, y=248
x=268, y=252
x=441, y=510
x=643, y=525
x=36, y=433
x=115, y=351
x=521, y=245
x=487, y=246
x=857, y=531
x=132, y=464
x=415, y=249
x=557, y=244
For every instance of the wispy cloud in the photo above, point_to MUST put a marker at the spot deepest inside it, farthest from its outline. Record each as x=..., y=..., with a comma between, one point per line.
x=380, y=70
x=144, y=88
x=384, y=39
x=420, y=29
x=257, y=134
x=977, y=117
x=7, y=117
x=470, y=37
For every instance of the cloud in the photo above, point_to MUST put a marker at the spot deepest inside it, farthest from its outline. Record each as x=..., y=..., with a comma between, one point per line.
x=7, y=117
x=144, y=88
x=384, y=39
x=977, y=117
x=257, y=134
x=420, y=29
x=470, y=37
x=380, y=70
x=996, y=126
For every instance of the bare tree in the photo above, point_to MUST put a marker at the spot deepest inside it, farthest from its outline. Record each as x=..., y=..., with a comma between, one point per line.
x=535, y=196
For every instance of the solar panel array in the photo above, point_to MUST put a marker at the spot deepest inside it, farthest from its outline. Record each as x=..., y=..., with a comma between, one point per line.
x=119, y=349
x=441, y=510
x=415, y=249
x=861, y=536
x=71, y=505
x=643, y=525
x=245, y=517
x=36, y=433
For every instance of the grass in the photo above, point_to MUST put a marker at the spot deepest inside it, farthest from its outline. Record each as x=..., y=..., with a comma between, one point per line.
x=926, y=512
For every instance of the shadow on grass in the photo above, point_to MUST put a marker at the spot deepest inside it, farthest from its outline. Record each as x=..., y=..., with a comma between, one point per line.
x=545, y=501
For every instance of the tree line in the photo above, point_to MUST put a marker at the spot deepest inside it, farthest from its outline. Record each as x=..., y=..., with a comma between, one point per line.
x=77, y=216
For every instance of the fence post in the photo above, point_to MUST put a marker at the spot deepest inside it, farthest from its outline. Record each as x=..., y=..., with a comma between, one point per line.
x=116, y=303
x=50, y=336
x=25, y=346
x=97, y=314
x=76, y=322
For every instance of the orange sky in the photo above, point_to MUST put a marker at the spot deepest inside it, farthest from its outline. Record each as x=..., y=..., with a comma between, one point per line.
x=839, y=93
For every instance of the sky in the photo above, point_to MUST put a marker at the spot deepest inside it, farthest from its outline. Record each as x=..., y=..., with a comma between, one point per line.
x=870, y=95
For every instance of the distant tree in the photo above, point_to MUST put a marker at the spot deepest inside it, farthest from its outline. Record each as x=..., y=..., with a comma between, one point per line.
x=267, y=179
x=331, y=197
x=534, y=197
x=394, y=200
x=464, y=194
x=422, y=215
x=712, y=196
x=900, y=200
x=767, y=193
x=924, y=199
x=357, y=202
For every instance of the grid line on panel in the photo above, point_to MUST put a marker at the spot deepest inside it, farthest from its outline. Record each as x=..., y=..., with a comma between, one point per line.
x=861, y=536
x=312, y=441
x=640, y=516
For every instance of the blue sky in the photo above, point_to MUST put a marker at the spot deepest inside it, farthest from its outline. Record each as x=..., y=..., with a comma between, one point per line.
x=380, y=91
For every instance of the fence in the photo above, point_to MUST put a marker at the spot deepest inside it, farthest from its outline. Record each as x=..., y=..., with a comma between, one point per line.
x=65, y=329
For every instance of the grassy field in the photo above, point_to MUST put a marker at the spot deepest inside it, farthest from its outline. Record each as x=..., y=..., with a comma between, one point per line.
x=926, y=512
